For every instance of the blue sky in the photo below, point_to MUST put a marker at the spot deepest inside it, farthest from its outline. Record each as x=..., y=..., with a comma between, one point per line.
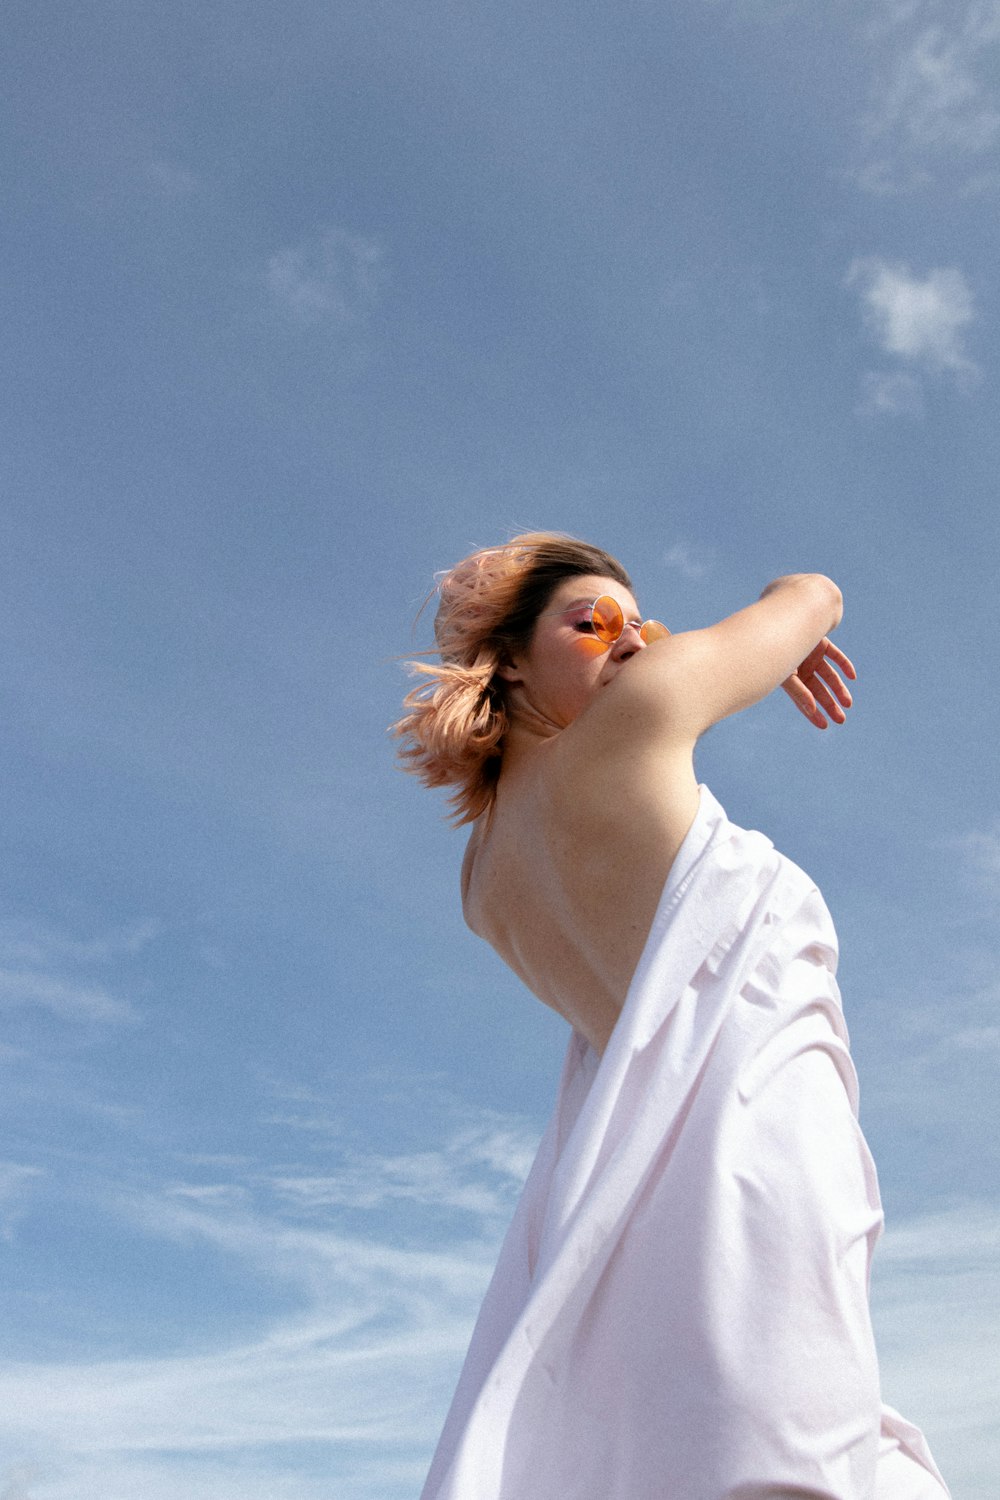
x=301, y=303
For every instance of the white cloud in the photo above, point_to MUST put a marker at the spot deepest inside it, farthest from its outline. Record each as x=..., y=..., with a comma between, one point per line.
x=479, y=1171
x=981, y=848
x=15, y=1184
x=890, y=393
x=977, y=1039
x=304, y=1109
x=16, y=1481
x=975, y=856
x=919, y=322
x=40, y=968
x=65, y=998
x=169, y=180
x=923, y=321
x=35, y=943
x=333, y=278
x=340, y=1385
x=354, y=1383
x=962, y=1235
x=203, y=1476
x=688, y=559
x=342, y=1389
x=937, y=1313
x=935, y=98
x=355, y=1379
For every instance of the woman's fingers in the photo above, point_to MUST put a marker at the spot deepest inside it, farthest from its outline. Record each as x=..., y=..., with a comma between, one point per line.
x=834, y=682
x=804, y=700
x=817, y=688
x=826, y=700
x=835, y=654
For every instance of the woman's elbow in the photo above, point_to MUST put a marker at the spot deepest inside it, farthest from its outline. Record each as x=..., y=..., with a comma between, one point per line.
x=818, y=592
x=830, y=600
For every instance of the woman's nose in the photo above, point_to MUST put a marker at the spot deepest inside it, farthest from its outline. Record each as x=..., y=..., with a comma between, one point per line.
x=629, y=642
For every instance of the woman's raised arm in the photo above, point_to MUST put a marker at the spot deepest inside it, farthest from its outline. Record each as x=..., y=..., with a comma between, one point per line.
x=681, y=686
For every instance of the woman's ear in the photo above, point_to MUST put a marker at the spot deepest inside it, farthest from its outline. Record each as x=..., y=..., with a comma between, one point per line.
x=508, y=672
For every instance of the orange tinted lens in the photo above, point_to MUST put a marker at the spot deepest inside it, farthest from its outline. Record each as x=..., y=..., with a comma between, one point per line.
x=652, y=630
x=609, y=622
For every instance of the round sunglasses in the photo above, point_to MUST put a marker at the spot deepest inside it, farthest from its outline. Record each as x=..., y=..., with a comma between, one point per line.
x=606, y=619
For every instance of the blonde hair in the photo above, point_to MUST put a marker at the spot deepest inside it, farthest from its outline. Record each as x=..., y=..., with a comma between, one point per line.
x=456, y=719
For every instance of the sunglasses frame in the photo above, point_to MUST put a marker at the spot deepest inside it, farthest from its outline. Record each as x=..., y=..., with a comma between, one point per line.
x=605, y=629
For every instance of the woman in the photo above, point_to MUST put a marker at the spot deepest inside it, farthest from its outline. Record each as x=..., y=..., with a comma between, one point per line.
x=680, y=1307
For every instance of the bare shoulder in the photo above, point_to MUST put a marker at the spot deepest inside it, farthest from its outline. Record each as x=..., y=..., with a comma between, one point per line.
x=631, y=798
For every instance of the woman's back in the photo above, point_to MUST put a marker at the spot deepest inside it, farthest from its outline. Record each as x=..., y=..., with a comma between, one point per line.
x=563, y=876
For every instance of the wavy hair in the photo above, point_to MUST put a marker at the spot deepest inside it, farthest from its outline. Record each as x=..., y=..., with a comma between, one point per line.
x=457, y=717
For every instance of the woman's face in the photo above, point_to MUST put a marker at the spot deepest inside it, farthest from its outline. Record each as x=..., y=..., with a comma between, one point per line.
x=565, y=664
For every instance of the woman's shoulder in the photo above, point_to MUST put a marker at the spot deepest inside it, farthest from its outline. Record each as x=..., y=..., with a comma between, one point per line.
x=600, y=765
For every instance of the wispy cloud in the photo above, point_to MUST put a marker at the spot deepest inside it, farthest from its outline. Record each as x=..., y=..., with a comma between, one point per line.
x=919, y=322
x=974, y=860
x=348, y=1390
x=16, y=1181
x=478, y=1172
x=352, y=1380
x=34, y=942
x=976, y=1039
x=65, y=998
x=199, y=1476
x=307, y=1110
x=339, y=1385
x=169, y=180
x=967, y=1234
x=981, y=850
x=935, y=100
x=16, y=1481
x=51, y=970
x=937, y=1311
x=689, y=559
x=891, y=393
x=333, y=278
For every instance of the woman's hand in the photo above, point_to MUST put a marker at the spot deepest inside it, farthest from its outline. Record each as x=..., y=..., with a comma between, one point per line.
x=817, y=689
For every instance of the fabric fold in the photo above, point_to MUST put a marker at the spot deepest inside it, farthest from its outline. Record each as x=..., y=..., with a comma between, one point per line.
x=680, y=1305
